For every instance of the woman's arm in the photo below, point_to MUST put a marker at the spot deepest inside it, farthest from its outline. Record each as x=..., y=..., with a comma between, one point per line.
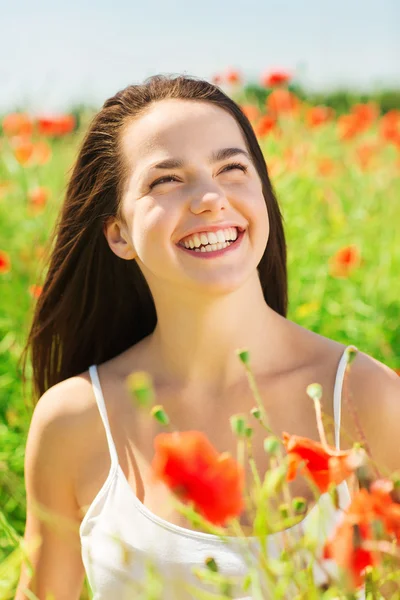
x=52, y=511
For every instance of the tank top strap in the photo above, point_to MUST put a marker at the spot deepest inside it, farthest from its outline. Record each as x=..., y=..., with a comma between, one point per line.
x=337, y=393
x=94, y=376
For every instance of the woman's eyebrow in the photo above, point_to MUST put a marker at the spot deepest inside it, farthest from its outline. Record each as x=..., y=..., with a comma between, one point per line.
x=216, y=156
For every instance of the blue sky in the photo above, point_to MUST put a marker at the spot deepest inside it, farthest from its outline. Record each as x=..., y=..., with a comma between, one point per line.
x=52, y=56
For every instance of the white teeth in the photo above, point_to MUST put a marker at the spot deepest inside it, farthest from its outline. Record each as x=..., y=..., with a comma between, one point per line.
x=220, y=237
x=212, y=247
x=212, y=238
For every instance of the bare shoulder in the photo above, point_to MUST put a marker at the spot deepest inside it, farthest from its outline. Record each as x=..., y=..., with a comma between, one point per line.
x=373, y=393
x=61, y=410
x=63, y=400
x=64, y=417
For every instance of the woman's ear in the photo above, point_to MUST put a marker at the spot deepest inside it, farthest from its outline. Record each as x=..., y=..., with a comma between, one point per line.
x=118, y=239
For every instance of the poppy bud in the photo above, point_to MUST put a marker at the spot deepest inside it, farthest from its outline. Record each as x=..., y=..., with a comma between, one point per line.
x=284, y=510
x=140, y=387
x=334, y=495
x=395, y=493
x=244, y=355
x=271, y=445
x=159, y=414
x=299, y=505
x=351, y=352
x=314, y=391
x=238, y=424
x=248, y=432
x=364, y=476
x=256, y=413
x=211, y=564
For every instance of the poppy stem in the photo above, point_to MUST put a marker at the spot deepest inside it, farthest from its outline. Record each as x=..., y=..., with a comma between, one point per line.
x=253, y=386
x=320, y=424
x=253, y=466
x=240, y=452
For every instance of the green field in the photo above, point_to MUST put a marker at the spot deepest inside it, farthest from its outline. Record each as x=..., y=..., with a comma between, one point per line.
x=335, y=193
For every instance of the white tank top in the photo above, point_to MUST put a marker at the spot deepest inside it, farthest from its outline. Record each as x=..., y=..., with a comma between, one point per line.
x=120, y=535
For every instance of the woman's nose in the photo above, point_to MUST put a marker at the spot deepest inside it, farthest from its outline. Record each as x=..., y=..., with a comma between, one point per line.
x=212, y=200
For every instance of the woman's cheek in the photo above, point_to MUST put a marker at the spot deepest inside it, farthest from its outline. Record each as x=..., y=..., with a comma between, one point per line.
x=151, y=226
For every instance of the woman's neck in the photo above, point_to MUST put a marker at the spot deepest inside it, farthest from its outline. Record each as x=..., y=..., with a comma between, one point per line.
x=195, y=341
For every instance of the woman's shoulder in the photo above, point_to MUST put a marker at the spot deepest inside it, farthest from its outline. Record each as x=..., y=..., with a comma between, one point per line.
x=370, y=399
x=66, y=401
x=65, y=417
x=373, y=396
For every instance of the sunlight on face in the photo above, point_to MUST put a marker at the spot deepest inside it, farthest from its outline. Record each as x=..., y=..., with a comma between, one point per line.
x=206, y=177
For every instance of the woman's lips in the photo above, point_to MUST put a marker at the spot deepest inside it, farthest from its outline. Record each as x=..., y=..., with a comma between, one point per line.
x=215, y=253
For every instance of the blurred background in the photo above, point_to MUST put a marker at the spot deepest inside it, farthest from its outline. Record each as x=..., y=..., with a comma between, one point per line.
x=57, y=54
x=320, y=84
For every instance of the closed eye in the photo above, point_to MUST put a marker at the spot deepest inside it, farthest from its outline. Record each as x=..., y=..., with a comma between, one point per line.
x=229, y=167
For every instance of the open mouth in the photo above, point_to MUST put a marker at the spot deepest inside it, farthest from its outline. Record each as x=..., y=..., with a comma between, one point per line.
x=208, y=250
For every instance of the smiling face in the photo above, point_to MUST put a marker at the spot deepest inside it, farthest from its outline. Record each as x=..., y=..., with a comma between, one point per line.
x=189, y=170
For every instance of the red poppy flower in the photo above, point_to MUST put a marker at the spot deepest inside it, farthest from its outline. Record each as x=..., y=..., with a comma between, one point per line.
x=348, y=126
x=364, y=154
x=216, y=79
x=233, y=76
x=5, y=263
x=57, y=125
x=38, y=196
x=389, y=126
x=367, y=506
x=194, y=470
x=282, y=101
x=35, y=290
x=266, y=124
x=275, y=78
x=365, y=113
x=345, y=546
x=359, y=120
x=23, y=149
x=251, y=111
x=317, y=115
x=325, y=166
x=17, y=124
x=344, y=261
x=41, y=152
x=324, y=465
x=381, y=492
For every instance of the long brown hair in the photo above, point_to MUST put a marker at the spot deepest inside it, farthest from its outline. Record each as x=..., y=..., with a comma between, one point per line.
x=94, y=305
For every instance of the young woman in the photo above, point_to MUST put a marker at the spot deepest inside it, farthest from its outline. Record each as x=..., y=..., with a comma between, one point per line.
x=169, y=255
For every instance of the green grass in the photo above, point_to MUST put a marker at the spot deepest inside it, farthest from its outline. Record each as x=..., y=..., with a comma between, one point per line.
x=351, y=206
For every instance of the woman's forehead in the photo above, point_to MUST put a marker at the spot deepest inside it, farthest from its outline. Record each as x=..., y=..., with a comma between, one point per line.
x=174, y=128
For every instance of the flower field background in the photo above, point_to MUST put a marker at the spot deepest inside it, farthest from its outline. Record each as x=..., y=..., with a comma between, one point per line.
x=336, y=172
